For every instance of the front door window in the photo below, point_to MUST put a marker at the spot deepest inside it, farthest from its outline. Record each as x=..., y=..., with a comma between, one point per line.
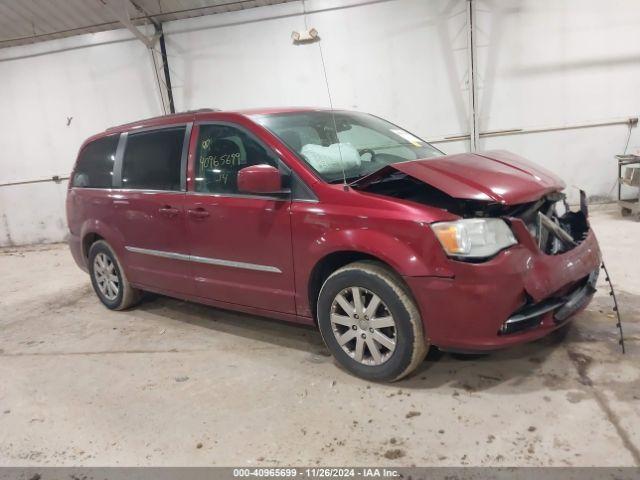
x=222, y=152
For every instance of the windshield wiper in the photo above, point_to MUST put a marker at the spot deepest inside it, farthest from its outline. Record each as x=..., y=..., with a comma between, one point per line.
x=360, y=177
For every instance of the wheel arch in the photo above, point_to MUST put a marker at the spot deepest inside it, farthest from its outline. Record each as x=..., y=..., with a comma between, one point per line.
x=89, y=239
x=392, y=289
x=331, y=262
x=94, y=230
x=338, y=247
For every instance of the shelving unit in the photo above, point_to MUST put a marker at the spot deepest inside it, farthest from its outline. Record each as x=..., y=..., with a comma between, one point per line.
x=630, y=177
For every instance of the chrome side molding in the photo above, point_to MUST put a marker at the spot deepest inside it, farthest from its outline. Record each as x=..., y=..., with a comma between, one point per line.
x=207, y=260
x=159, y=253
x=233, y=264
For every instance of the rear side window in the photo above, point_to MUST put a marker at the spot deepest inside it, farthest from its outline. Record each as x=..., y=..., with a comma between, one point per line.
x=153, y=160
x=95, y=163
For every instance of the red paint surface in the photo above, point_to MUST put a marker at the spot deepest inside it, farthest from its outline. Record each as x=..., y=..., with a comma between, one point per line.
x=496, y=176
x=462, y=304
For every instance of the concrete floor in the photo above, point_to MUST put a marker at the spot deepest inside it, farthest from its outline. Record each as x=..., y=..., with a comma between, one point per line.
x=172, y=383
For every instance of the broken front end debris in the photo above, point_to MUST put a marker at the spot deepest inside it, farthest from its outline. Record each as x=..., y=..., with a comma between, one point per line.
x=522, y=293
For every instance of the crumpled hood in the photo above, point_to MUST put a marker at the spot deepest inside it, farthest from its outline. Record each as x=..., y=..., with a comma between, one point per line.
x=494, y=176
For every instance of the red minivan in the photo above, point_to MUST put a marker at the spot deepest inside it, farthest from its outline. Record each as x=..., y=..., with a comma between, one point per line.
x=333, y=218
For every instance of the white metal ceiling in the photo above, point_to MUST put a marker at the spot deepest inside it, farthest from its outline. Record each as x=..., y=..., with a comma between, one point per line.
x=30, y=21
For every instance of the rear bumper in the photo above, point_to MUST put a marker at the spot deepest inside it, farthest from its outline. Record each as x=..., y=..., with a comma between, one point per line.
x=469, y=311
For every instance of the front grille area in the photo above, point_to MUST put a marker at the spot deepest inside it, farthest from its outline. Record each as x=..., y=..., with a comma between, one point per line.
x=563, y=306
x=529, y=316
x=555, y=227
x=521, y=326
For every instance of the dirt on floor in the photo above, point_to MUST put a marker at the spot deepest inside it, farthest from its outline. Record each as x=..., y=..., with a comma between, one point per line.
x=175, y=383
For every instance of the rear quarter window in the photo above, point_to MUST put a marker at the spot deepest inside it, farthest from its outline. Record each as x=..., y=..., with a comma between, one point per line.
x=94, y=168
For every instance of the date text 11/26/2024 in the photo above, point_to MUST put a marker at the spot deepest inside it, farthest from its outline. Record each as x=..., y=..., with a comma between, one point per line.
x=321, y=472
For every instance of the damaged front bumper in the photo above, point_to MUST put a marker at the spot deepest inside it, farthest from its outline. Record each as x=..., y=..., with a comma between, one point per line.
x=520, y=295
x=562, y=306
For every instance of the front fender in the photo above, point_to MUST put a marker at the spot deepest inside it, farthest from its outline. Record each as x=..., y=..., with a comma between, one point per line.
x=419, y=258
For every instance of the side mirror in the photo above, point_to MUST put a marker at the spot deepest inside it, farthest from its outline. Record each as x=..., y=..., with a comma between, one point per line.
x=261, y=179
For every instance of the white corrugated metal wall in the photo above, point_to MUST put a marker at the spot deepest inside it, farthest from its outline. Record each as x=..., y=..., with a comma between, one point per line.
x=540, y=65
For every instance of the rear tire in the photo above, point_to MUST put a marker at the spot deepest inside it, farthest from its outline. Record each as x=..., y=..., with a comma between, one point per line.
x=108, y=278
x=370, y=323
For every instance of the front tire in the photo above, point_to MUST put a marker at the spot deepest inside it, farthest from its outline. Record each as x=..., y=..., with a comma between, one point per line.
x=108, y=279
x=370, y=323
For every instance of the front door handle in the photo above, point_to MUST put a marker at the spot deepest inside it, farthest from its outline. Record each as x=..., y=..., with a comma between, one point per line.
x=168, y=211
x=198, y=213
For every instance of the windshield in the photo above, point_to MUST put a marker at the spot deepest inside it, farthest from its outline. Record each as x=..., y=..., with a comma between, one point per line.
x=345, y=144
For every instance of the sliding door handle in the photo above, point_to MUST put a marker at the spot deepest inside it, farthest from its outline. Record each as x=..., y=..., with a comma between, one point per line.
x=198, y=213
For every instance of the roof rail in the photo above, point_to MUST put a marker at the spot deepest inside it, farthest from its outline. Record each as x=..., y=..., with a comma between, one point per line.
x=198, y=110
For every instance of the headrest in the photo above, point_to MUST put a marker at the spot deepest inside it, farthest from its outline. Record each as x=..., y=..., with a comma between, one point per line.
x=224, y=147
x=292, y=138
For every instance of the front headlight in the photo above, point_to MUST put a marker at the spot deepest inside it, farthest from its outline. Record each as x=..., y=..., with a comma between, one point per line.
x=474, y=237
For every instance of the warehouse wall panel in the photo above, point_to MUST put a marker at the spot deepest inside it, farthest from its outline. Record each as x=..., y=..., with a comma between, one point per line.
x=404, y=60
x=539, y=63
x=549, y=63
x=54, y=95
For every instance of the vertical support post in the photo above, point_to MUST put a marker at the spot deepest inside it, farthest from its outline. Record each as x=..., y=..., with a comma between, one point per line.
x=471, y=80
x=165, y=67
x=158, y=73
x=167, y=74
x=163, y=76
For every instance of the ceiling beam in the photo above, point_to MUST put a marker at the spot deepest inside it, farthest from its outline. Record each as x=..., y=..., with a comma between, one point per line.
x=119, y=8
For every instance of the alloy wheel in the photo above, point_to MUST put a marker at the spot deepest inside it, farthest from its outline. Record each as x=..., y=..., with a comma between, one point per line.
x=106, y=277
x=363, y=326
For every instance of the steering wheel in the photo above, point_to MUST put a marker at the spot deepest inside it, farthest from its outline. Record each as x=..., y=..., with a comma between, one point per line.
x=368, y=150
